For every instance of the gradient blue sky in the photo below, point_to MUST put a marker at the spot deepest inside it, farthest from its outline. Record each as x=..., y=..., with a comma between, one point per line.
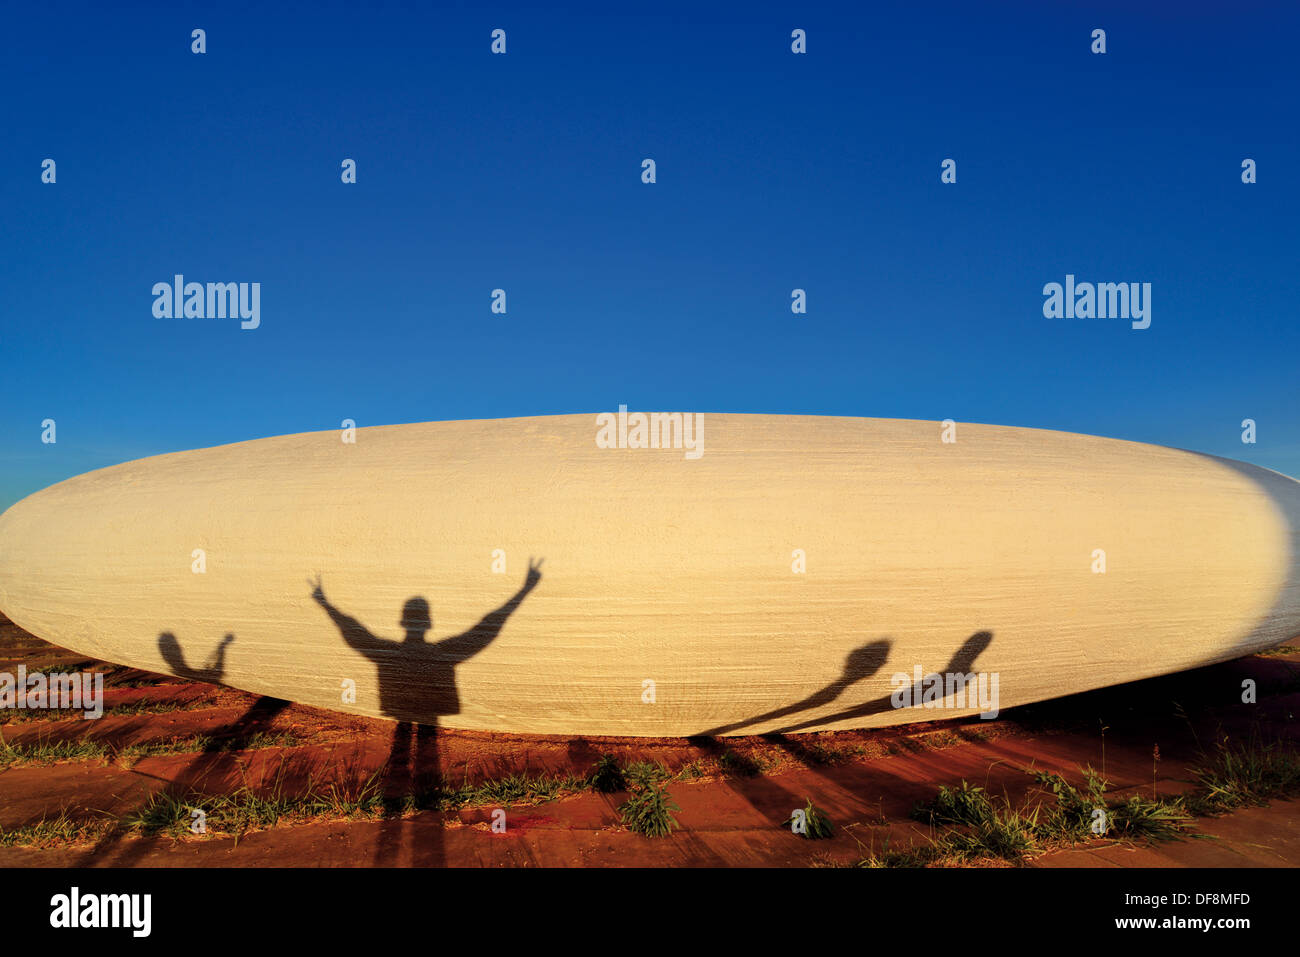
x=522, y=171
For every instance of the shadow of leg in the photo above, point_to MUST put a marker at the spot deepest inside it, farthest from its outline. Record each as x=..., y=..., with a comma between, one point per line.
x=397, y=785
x=429, y=781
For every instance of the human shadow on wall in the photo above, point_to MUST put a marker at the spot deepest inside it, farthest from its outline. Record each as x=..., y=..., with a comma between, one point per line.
x=255, y=721
x=860, y=664
x=962, y=662
x=213, y=669
x=220, y=755
x=765, y=794
x=417, y=684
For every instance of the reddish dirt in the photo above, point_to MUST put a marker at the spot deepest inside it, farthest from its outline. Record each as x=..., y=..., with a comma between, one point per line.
x=727, y=818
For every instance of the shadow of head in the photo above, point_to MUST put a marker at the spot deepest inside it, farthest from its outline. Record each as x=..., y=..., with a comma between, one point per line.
x=170, y=649
x=865, y=661
x=416, y=618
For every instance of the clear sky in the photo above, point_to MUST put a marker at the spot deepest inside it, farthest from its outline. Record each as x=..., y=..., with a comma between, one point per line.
x=522, y=171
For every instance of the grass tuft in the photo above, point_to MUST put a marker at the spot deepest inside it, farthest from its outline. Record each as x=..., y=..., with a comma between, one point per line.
x=47, y=752
x=51, y=832
x=607, y=776
x=1245, y=773
x=649, y=809
x=816, y=825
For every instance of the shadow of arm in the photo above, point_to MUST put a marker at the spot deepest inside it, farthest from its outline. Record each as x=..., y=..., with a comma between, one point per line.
x=353, y=632
x=465, y=645
x=216, y=665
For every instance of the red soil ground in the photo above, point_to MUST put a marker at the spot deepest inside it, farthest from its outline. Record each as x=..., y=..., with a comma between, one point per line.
x=867, y=782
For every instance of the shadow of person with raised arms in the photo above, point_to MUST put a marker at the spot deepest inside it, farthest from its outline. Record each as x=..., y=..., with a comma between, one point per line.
x=417, y=680
x=219, y=750
x=219, y=753
x=213, y=669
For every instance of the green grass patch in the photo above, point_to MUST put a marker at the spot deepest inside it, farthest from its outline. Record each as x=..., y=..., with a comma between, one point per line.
x=246, y=809
x=57, y=831
x=970, y=824
x=48, y=752
x=1245, y=773
x=649, y=809
x=202, y=743
x=607, y=776
x=977, y=825
x=121, y=710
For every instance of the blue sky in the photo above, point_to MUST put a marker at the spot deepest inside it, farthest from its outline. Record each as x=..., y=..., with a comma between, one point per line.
x=523, y=172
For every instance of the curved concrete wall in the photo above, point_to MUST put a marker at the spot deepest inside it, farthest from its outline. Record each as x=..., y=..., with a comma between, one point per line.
x=975, y=556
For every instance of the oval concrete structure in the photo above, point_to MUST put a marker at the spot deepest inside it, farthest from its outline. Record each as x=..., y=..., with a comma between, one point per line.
x=798, y=575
